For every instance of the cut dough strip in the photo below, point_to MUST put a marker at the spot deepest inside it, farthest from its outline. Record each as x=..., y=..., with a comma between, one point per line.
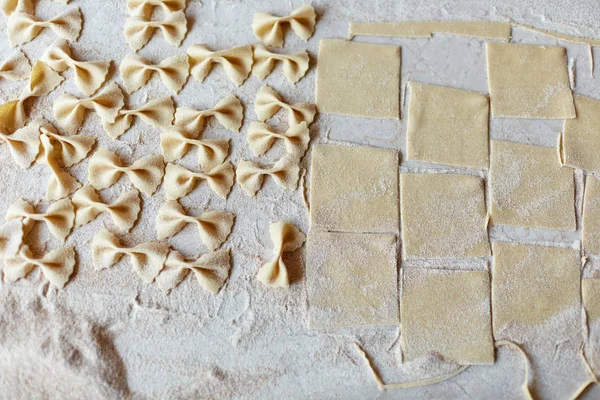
x=11, y=238
x=229, y=112
x=139, y=30
x=147, y=259
x=70, y=111
x=285, y=172
x=157, y=113
x=59, y=217
x=285, y=237
x=124, y=210
x=211, y=270
x=295, y=65
x=57, y=266
x=269, y=29
x=262, y=136
x=144, y=8
x=61, y=183
x=213, y=226
x=105, y=168
x=180, y=181
x=16, y=67
x=426, y=29
x=23, y=27
x=268, y=102
x=89, y=75
x=211, y=152
x=237, y=62
x=136, y=71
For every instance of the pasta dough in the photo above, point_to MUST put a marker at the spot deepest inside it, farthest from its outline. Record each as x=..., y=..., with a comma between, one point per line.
x=443, y=215
x=124, y=210
x=16, y=67
x=11, y=238
x=175, y=145
x=268, y=102
x=136, y=71
x=581, y=136
x=211, y=270
x=144, y=8
x=591, y=216
x=213, y=226
x=591, y=299
x=529, y=187
x=285, y=172
x=139, y=30
x=351, y=280
x=354, y=189
x=229, y=112
x=294, y=65
x=61, y=183
x=10, y=6
x=532, y=285
x=23, y=144
x=157, y=113
x=58, y=218
x=180, y=181
x=57, y=265
x=529, y=81
x=68, y=150
x=269, y=29
x=262, y=136
x=448, y=126
x=446, y=313
x=105, y=168
x=23, y=27
x=285, y=237
x=236, y=62
x=374, y=73
x=426, y=29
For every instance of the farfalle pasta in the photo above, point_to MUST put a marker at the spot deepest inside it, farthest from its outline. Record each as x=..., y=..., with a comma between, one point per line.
x=139, y=30
x=285, y=172
x=179, y=180
x=211, y=270
x=69, y=150
x=11, y=238
x=237, y=62
x=262, y=136
x=10, y=6
x=70, y=111
x=16, y=67
x=285, y=237
x=61, y=183
x=23, y=27
x=144, y=8
x=294, y=65
x=147, y=259
x=124, y=210
x=57, y=265
x=136, y=71
x=229, y=112
x=175, y=144
x=58, y=218
x=268, y=102
x=23, y=144
x=105, y=168
x=158, y=113
x=213, y=226
x=269, y=29
x=88, y=75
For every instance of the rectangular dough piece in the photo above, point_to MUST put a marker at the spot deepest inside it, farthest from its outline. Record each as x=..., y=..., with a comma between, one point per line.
x=446, y=313
x=354, y=189
x=581, y=136
x=591, y=216
x=530, y=188
x=351, y=279
x=443, y=215
x=448, y=126
x=591, y=300
x=359, y=79
x=529, y=81
x=426, y=29
x=533, y=286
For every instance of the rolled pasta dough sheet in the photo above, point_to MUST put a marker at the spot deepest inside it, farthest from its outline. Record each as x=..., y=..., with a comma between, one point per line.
x=425, y=29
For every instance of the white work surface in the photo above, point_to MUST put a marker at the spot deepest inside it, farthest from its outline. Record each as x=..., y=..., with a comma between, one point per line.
x=108, y=334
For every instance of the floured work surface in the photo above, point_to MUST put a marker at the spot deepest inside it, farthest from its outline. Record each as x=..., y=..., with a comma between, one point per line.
x=351, y=280
x=425, y=29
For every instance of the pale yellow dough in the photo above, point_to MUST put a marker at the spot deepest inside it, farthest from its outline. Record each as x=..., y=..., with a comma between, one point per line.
x=354, y=189
x=351, y=280
x=591, y=299
x=591, y=216
x=425, y=29
x=448, y=126
x=529, y=81
x=359, y=79
x=581, y=136
x=530, y=188
x=443, y=215
x=446, y=313
x=532, y=285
